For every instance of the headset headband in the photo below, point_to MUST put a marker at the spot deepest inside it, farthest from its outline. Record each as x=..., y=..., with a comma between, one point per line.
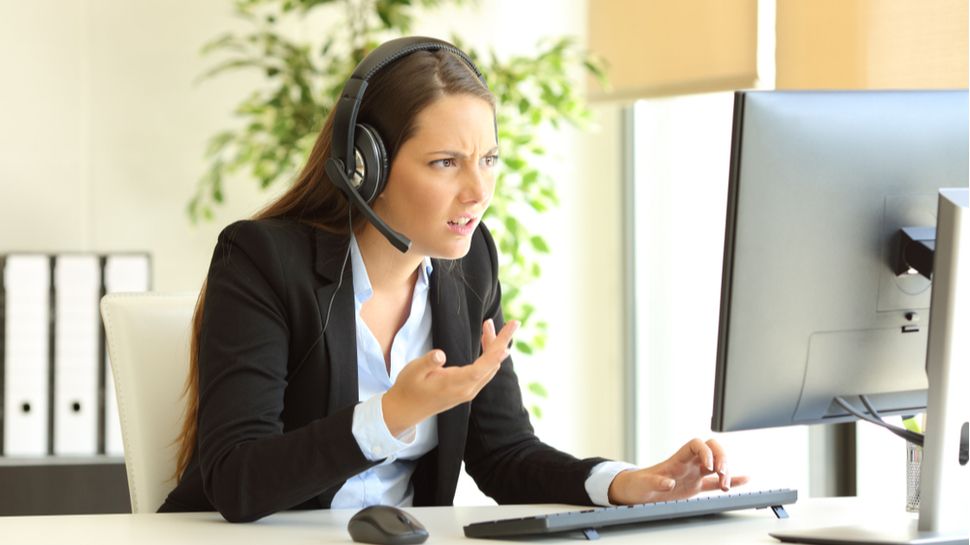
x=348, y=105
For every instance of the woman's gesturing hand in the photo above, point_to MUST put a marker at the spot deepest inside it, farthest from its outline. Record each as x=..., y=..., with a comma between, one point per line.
x=696, y=467
x=425, y=387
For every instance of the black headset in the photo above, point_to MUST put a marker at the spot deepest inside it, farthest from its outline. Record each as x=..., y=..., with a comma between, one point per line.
x=358, y=162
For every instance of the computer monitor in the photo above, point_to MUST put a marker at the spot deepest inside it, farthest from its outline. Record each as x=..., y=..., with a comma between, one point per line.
x=812, y=307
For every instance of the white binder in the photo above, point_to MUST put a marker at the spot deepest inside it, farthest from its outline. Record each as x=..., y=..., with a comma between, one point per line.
x=26, y=281
x=77, y=332
x=122, y=273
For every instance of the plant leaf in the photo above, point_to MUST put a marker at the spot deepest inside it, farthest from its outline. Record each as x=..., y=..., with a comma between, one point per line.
x=538, y=389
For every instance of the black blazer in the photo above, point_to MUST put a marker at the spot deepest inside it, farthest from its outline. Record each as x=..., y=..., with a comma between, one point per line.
x=276, y=399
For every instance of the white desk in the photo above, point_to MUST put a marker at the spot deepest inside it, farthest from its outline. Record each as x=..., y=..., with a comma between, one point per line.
x=444, y=524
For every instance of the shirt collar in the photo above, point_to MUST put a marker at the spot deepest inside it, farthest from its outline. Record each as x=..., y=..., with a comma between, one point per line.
x=362, y=286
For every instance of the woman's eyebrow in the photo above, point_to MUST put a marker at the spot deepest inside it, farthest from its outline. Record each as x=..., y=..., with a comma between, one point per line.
x=459, y=154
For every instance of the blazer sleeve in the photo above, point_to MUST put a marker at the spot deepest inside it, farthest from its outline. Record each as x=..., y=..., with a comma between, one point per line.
x=250, y=468
x=502, y=454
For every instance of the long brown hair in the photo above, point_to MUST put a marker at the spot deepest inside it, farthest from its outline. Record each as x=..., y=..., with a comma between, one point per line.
x=394, y=98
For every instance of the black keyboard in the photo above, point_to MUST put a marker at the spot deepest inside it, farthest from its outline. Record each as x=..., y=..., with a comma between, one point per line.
x=589, y=520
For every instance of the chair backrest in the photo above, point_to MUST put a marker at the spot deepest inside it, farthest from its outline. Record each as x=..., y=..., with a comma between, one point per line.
x=148, y=337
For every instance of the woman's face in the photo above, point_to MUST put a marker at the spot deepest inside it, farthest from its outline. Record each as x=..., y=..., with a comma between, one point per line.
x=443, y=177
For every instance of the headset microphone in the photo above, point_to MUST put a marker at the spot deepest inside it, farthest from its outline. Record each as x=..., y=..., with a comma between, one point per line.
x=336, y=173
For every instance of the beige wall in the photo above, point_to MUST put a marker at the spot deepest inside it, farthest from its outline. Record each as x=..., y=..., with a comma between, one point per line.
x=103, y=129
x=41, y=203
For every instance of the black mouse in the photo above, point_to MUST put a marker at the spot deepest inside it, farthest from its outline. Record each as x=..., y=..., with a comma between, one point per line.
x=386, y=525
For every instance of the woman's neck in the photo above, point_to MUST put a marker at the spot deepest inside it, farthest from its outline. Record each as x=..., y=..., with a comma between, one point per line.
x=387, y=268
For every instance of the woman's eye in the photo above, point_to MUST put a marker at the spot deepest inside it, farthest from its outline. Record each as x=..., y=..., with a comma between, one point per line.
x=444, y=163
x=490, y=160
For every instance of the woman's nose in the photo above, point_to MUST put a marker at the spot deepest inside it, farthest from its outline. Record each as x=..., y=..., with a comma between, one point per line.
x=476, y=187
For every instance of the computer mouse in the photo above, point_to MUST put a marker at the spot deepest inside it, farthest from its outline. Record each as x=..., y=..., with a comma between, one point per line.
x=386, y=525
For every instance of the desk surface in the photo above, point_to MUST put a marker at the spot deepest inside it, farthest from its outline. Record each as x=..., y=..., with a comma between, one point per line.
x=444, y=523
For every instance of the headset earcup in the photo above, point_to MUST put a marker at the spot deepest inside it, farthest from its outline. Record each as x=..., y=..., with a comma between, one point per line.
x=371, y=149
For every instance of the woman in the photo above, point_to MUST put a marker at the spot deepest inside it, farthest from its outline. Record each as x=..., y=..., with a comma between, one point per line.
x=309, y=308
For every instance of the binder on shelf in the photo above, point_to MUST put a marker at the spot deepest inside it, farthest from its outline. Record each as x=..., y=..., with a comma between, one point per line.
x=77, y=352
x=122, y=273
x=26, y=298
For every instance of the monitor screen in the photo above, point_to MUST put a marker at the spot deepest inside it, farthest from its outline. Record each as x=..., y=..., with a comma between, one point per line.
x=811, y=306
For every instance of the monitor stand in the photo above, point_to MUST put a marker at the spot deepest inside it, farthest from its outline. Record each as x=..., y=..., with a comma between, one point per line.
x=890, y=533
x=945, y=477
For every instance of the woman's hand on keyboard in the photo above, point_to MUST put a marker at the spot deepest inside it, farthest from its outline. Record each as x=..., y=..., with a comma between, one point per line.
x=697, y=467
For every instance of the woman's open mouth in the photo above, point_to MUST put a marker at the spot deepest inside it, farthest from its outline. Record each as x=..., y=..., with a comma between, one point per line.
x=463, y=225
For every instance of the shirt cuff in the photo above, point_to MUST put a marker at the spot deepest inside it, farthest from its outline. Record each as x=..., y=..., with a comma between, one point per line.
x=600, y=478
x=370, y=430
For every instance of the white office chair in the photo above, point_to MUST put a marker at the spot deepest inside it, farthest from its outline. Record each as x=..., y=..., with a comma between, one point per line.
x=148, y=337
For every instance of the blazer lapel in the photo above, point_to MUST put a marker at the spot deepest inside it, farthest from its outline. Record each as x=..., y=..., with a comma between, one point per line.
x=341, y=334
x=450, y=333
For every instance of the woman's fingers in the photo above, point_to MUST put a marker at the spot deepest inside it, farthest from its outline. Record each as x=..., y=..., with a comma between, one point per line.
x=720, y=482
x=426, y=365
x=698, y=450
x=495, y=350
x=504, y=337
x=711, y=482
x=488, y=333
x=435, y=358
x=720, y=459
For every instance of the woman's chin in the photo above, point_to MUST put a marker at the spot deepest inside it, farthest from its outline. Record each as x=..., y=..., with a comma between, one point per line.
x=455, y=249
